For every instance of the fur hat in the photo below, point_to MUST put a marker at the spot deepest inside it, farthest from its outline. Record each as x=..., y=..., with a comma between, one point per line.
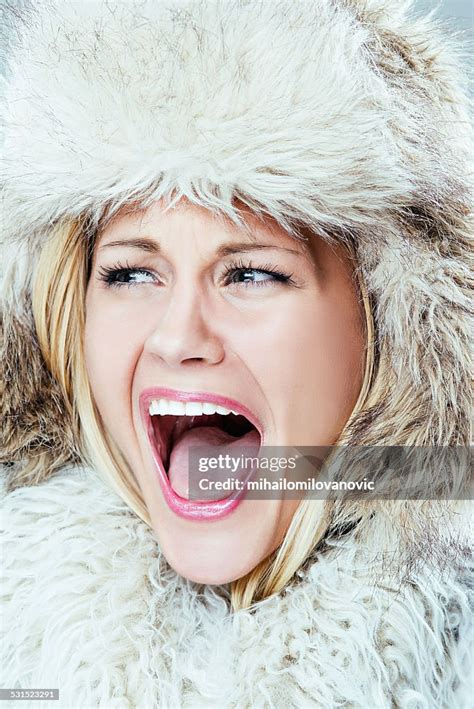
x=345, y=117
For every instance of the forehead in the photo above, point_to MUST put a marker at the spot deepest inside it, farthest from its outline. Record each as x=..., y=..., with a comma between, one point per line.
x=197, y=224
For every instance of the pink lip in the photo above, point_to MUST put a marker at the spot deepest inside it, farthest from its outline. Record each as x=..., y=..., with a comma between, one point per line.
x=191, y=509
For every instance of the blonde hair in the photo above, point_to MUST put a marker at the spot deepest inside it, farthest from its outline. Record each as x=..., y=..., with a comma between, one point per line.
x=58, y=304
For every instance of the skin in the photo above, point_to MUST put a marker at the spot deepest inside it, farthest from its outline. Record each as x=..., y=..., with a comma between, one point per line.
x=293, y=353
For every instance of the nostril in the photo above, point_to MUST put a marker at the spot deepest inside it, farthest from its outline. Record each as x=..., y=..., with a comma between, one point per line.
x=185, y=343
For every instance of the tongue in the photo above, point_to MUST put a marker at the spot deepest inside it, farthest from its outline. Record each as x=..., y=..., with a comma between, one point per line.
x=178, y=469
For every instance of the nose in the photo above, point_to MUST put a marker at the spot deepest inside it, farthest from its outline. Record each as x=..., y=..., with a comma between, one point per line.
x=184, y=334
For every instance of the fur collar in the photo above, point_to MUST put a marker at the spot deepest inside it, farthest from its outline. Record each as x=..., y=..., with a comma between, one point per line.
x=91, y=607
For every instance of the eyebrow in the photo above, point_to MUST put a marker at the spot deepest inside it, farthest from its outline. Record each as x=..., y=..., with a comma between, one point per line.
x=235, y=248
x=144, y=243
x=151, y=246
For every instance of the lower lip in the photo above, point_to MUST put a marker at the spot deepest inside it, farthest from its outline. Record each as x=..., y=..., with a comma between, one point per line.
x=188, y=509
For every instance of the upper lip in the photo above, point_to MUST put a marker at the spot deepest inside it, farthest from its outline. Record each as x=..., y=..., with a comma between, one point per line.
x=147, y=395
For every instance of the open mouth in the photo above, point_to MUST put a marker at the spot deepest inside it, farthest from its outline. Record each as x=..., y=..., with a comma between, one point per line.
x=177, y=426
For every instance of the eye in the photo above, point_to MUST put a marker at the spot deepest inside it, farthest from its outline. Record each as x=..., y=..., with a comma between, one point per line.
x=250, y=276
x=128, y=275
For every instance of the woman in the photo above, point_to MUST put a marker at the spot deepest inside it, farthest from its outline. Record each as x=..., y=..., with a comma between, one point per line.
x=259, y=211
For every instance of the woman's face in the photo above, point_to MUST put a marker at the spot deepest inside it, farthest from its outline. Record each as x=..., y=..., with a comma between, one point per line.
x=186, y=313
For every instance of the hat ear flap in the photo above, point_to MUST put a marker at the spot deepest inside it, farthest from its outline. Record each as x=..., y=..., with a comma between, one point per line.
x=37, y=425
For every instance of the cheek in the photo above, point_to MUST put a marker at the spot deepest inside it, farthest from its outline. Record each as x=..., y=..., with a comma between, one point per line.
x=112, y=345
x=320, y=334
x=308, y=358
x=331, y=371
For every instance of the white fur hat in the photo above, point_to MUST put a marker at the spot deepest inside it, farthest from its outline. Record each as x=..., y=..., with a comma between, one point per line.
x=347, y=117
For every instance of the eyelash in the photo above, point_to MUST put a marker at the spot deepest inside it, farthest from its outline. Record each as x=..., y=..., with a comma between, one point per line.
x=278, y=276
x=110, y=274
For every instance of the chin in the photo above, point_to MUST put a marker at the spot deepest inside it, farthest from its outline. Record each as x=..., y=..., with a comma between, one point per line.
x=210, y=571
x=219, y=552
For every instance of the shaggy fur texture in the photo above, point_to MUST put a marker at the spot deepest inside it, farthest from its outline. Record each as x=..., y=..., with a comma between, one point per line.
x=100, y=615
x=346, y=118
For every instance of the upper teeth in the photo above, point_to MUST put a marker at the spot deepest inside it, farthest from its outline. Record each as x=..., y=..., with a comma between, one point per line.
x=165, y=407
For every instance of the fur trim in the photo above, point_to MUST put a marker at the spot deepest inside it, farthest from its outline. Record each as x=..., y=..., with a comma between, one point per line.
x=91, y=607
x=145, y=98
x=36, y=423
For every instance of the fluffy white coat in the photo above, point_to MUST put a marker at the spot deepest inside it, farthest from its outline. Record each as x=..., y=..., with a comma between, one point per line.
x=91, y=607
